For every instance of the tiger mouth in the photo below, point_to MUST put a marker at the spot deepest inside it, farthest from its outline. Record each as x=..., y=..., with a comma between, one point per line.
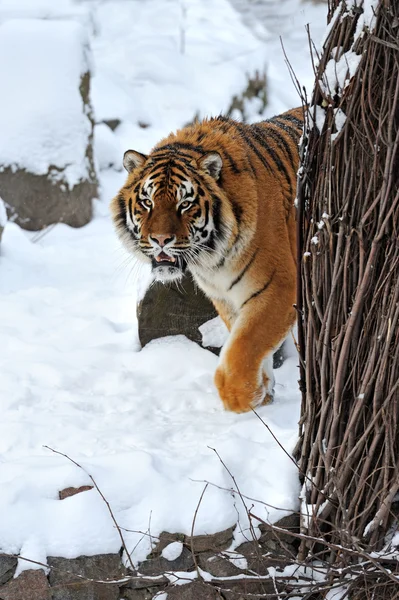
x=164, y=258
x=173, y=264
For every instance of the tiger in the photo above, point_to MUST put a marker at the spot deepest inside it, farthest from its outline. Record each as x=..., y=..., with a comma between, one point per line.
x=216, y=199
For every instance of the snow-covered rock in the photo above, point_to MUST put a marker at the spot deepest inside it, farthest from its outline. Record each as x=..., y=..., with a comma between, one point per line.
x=46, y=167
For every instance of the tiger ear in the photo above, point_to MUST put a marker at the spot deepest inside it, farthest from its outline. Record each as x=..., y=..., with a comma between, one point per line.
x=133, y=160
x=212, y=164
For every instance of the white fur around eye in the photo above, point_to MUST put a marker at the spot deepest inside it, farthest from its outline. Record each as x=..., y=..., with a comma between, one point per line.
x=186, y=203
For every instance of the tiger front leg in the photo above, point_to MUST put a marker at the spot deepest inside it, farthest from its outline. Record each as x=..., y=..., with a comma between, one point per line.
x=244, y=377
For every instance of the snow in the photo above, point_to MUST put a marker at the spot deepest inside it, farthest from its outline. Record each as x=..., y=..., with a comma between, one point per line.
x=107, y=147
x=214, y=333
x=338, y=73
x=144, y=424
x=161, y=596
x=134, y=35
x=3, y=214
x=172, y=551
x=41, y=118
x=141, y=423
x=44, y=9
x=367, y=20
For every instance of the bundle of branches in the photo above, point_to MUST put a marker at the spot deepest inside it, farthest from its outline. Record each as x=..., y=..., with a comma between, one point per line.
x=348, y=296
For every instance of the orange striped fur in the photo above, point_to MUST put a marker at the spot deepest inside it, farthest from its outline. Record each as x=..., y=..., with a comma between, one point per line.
x=217, y=198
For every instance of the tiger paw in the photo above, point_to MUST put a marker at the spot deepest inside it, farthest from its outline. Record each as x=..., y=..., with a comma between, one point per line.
x=240, y=394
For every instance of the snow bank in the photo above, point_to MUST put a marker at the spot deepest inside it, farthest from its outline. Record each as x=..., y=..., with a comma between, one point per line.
x=44, y=9
x=42, y=122
x=3, y=214
x=165, y=62
x=142, y=423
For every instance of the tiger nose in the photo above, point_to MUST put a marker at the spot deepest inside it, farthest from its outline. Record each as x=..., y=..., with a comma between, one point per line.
x=162, y=239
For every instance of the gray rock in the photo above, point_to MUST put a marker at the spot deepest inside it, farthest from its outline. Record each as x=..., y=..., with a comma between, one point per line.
x=290, y=523
x=213, y=542
x=257, y=562
x=243, y=589
x=35, y=199
x=193, y=591
x=29, y=585
x=8, y=564
x=140, y=583
x=173, y=310
x=66, y=586
x=277, y=543
x=159, y=564
x=142, y=588
x=142, y=594
x=164, y=540
x=217, y=565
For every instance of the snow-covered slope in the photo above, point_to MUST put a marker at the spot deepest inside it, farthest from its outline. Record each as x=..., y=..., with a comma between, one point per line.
x=144, y=424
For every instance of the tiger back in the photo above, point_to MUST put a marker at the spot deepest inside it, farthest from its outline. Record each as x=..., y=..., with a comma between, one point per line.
x=217, y=199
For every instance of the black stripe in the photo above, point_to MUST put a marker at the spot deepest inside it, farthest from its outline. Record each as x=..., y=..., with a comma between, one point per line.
x=245, y=269
x=206, y=203
x=171, y=151
x=259, y=291
x=281, y=143
x=122, y=209
x=220, y=264
x=293, y=133
x=237, y=211
x=175, y=146
x=254, y=149
x=130, y=209
x=260, y=138
x=232, y=163
x=216, y=206
x=291, y=119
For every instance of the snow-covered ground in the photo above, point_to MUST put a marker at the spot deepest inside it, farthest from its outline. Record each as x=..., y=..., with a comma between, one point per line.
x=144, y=424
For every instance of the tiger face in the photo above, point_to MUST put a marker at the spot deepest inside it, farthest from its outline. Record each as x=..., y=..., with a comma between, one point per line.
x=168, y=213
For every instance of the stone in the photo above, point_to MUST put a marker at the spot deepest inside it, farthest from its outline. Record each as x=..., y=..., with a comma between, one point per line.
x=277, y=543
x=165, y=538
x=213, y=542
x=112, y=123
x=254, y=554
x=61, y=205
x=144, y=583
x=291, y=523
x=47, y=172
x=71, y=491
x=217, y=565
x=141, y=588
x=242, y=589
x=143, y=594
x=174, y=309
x=29, y=585
x=159, y=565
x=66, y=586
x=8, y=564
x=196, y=590
x=288, y=522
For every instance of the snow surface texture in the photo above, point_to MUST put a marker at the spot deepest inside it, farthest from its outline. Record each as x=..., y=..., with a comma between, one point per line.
x=143, y=424
x=3, y=214
x=42, y=122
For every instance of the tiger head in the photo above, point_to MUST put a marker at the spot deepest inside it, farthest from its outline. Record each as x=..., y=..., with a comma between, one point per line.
x=170, y=213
